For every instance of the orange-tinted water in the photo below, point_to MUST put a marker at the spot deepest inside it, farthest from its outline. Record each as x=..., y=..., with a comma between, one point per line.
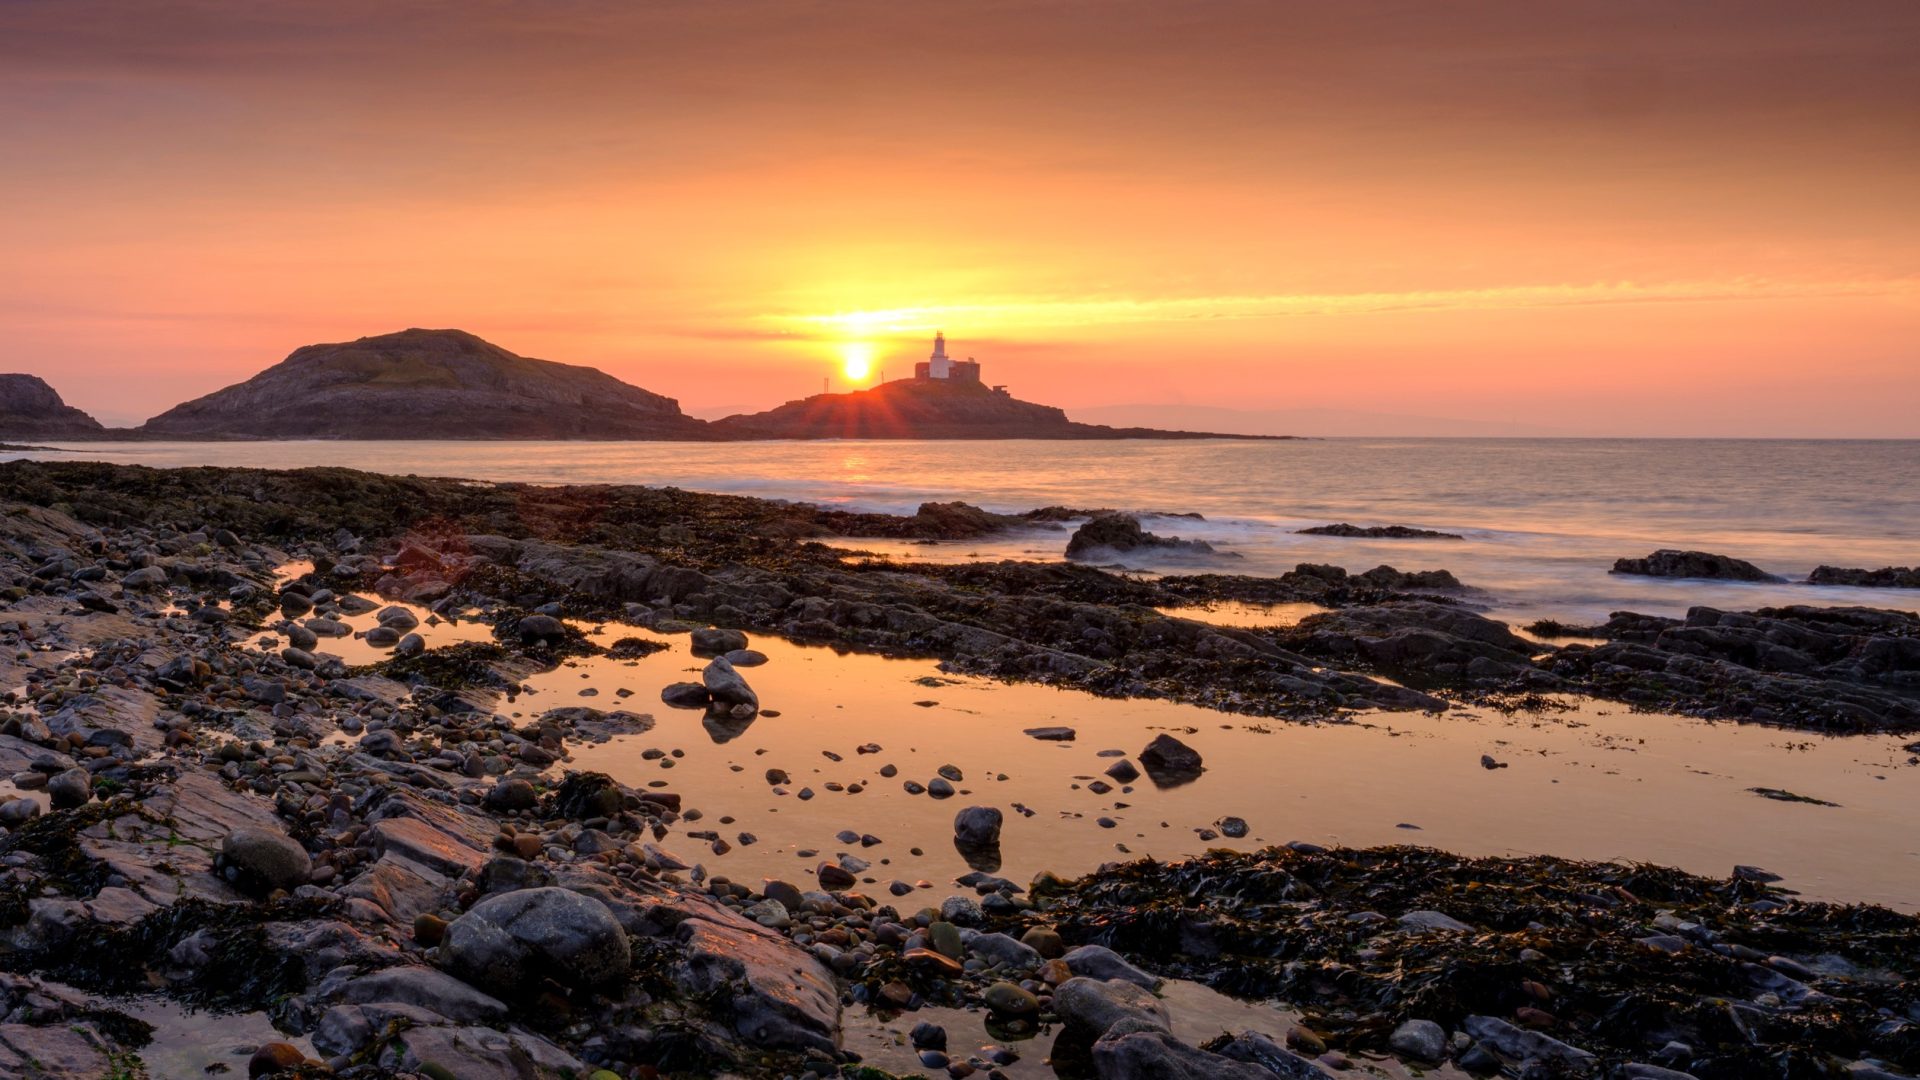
x=1594, y=781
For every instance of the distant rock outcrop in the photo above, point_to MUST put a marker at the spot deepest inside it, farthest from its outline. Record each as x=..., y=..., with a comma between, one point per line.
x=1889, y=577
x=1111, y=534
x=426, y=384
x=29, y=408
x=926, y=409
x=1378, y=532
x=1693, y=564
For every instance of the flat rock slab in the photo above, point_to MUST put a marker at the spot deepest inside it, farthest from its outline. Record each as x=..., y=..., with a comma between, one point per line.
x=782, y=997
x=166, y=853
x=53, y=1052
x=420, y=842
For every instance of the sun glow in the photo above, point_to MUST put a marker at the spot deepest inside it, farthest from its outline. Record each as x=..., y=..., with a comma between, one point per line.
x=856, y=360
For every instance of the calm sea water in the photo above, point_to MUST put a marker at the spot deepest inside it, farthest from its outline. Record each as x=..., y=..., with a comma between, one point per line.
x=1543, y=519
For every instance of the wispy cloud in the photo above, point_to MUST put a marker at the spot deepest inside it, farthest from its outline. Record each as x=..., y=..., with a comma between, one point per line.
x=1088, y=311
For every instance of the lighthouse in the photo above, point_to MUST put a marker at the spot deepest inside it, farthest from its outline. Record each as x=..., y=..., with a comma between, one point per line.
x=945, y=368
x=938, y=366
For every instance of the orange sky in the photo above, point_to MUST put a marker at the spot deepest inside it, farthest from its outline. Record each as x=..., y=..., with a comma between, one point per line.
x=1618, y=216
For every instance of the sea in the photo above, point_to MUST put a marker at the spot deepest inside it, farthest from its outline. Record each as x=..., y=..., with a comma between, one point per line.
x=1541, y=521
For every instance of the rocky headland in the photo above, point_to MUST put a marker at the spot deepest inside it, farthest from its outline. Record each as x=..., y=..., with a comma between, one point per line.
x=30, y=409
x=202, y=803
x=927, y=409
x=425, y=384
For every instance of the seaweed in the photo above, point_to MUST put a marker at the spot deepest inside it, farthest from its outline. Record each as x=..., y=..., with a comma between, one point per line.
x=467, y=665
x=241, y=973
x=585, y=795
x=1553, y=941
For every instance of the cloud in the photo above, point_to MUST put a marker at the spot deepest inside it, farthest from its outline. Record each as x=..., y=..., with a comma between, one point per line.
x=1066, y=311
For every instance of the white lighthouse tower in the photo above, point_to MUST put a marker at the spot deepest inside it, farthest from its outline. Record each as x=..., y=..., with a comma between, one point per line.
x=938, y=366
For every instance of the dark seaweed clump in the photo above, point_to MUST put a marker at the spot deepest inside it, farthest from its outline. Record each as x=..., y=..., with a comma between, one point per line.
x=1555, y=944
x=466, y=665
x=241, y=970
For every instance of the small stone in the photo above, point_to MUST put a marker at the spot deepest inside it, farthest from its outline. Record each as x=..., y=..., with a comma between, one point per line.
x=428, y=929
x=1045, y=941
x=1009, y=999
x=1422, y=1040
x=928, y=1036
x=274, y=1057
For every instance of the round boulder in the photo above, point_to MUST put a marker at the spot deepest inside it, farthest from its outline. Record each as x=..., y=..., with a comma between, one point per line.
x=977, y=826
x=541, y=630
x=506, y=943
x=261, y=860
x=71, y=788
x=718, y=642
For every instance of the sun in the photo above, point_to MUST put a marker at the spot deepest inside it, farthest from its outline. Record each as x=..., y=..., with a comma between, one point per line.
x=856, y=360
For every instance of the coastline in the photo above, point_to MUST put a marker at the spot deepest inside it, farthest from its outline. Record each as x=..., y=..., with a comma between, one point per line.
x=414, y=807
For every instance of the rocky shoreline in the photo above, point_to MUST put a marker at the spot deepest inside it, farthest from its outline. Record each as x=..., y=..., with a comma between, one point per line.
x=201, y=804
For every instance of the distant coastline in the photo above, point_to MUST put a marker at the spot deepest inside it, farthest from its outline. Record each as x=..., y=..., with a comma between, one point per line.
x=425, y=385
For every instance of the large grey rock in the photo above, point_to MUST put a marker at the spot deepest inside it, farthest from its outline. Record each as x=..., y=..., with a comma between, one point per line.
x=146, y=577
x=1170, y=761
x=1258, y=1049
x=1522, y=1044
x=717, y=642
x=478, y=1053
x=507, y=942
x=779, y=996
x=398, y=1038
x=541, y=629
x=397, y=617
x=1002, y=949
x=1422, y=1040
x=1093, y=1005
x=1120, y=533
x=425, y=987
x=977, y=826
x=1668, y=562
x=1100, y=962
x=1156, y=1055
x=261, y=860
x=71, y=788
x=726, y=685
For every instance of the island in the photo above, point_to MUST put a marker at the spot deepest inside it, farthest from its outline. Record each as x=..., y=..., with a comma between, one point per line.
x=451, y=384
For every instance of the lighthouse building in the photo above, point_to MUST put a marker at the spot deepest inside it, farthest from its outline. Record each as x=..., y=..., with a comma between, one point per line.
x=941, y=366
